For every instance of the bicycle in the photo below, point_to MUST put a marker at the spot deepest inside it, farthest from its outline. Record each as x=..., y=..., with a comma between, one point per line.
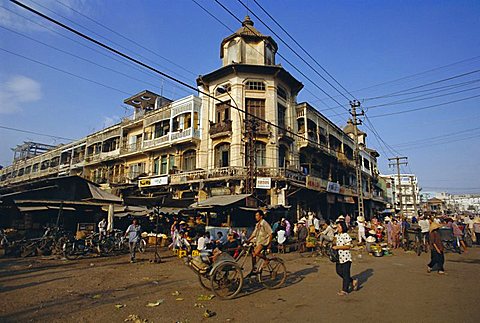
x=225, y=275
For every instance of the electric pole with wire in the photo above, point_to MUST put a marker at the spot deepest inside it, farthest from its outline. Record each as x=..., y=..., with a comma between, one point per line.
x=250, y=127
x=397, y=163
x=356, y=154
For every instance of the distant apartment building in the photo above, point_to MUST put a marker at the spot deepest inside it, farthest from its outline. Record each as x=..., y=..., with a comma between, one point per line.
x=196, y=147
x=403, y=194
x=460, y=202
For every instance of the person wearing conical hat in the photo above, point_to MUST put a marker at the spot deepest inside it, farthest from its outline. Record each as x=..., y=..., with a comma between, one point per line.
x=361, y=229
x=437, y=250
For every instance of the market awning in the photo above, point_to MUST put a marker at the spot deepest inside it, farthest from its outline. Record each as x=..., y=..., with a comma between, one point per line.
x=32, y=208
x=100, y=195
x=221, y=200
x=170, y=210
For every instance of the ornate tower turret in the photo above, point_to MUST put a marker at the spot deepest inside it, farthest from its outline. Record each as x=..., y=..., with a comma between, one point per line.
x=248, y=46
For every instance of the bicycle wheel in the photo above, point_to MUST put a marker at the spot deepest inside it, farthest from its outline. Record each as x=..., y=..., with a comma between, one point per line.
x=204, y=282
x=142, y=245
x=273, y=274
x=226, y=280
x=70, y=252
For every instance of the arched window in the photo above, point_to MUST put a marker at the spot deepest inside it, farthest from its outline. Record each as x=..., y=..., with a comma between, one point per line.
x=222, y=155
x=189, y=160
x=261, y=154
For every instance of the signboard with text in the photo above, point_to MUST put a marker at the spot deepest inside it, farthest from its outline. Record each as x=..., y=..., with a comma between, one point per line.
x=333, y=187
x=155, y=181
x=314, y=183
x=264, y=183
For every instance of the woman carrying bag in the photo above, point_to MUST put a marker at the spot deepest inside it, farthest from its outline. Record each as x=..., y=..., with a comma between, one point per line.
x=344, y=263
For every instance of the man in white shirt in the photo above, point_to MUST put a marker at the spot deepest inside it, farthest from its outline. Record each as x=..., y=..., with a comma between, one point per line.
x=328, y=233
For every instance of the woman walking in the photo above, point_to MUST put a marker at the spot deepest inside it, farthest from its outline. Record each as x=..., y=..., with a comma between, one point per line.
x=344, y=264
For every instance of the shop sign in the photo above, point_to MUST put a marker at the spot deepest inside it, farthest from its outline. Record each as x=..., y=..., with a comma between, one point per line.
x=156, y=181
x=333, y=187
x=264, y=183
x=314, y=183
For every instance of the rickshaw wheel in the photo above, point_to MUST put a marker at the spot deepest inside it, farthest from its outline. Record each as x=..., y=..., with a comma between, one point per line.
x=205, y=282
x=274, y=274
x=226, y=280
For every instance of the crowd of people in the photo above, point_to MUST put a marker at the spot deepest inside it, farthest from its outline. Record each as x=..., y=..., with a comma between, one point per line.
x=309, y=230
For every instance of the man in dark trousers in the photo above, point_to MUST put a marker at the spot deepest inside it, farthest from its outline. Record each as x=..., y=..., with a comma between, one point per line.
x=436, y=247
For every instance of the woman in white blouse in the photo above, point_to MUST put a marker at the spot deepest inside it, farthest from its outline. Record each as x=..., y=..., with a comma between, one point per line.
x=343, y=244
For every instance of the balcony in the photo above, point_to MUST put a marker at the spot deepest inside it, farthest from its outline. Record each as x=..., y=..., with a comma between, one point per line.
x=232, y=172
x=220, y=129
x=156, y=142
x=131, y=148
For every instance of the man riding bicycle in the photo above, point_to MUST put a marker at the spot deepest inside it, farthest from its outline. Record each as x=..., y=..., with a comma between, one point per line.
x=262, y=235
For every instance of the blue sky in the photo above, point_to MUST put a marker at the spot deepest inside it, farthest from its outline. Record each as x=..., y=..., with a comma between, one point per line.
x=361, y=43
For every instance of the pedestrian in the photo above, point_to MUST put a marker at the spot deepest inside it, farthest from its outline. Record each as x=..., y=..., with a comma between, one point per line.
x=343, y=243
x=328, y=233
x=436, y=248
x=424, y=227
x=396, y=229
x=102, y=228
x=476, y=229
x=348, y=220
x=134, y=235
x=389, y=226
x=361, y=229
x=302, y=233
x=201, y=245
x=457, y=233
x=288, y=227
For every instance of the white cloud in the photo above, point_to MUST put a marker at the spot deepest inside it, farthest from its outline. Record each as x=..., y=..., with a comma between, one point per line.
x=16, y=91
x=9, y=19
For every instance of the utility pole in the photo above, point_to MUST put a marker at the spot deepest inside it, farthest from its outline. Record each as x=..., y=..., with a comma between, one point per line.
x=356, y=154
x=414, y=192
x=250, y=136
x=398, y=162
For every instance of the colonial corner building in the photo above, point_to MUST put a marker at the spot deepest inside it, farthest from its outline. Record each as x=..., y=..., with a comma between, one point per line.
x=199, y=147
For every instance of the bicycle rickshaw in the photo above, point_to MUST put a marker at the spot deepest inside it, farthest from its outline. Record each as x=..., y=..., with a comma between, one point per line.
x=413, y=241
x=225, y=275
x=449, y=241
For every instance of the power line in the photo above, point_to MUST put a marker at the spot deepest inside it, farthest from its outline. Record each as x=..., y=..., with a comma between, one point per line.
x=126, y=38
x=107, y=39
x=442, y=142
x=126, y=63
x=301, y=47
x=443, y=136
x=440, y=89
x=65, y=72
x=424, y=108
x=84, y=59
x=412, y=88
x=35, y=133
x=111, y=49
x=254, y=48
x=283, y=57
x=417, y=74
x=419, y=98
x=295, y=52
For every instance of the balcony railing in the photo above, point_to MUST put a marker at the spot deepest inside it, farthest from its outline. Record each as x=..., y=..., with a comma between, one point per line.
x=130, y=148
x=234, y=172
x=156, y=142
x=220, y=128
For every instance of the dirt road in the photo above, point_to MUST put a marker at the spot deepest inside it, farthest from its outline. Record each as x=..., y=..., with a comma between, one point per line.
x=394, y=289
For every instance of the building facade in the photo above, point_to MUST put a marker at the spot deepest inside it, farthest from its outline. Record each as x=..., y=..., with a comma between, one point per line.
x=405, y=190
x=215, y=144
